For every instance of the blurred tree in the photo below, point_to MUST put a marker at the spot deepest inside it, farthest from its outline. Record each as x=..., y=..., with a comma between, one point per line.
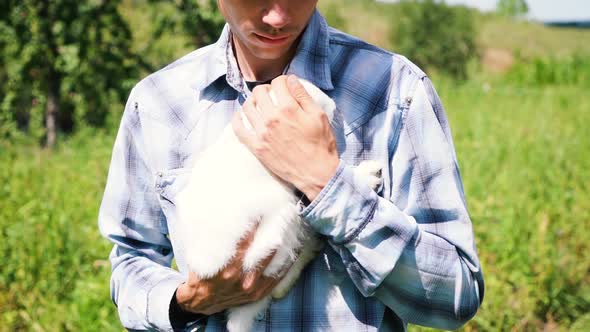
x=70, y=63
x=436, y=36
x=182, y=24
x=513, y=8
x=199, y=19
x=65, y=62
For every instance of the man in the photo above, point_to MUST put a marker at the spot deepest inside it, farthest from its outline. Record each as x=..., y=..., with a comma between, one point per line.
x=404, y=255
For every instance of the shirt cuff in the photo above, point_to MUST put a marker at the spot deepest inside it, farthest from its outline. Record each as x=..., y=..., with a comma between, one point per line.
x=181, y=320
x=369, y=232
x=343, y=207
x=158, y=301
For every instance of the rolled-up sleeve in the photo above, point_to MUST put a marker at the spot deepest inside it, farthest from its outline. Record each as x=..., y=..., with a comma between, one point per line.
x=415, y=249
x=142, y=282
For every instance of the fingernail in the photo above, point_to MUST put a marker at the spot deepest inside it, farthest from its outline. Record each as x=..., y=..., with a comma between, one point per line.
x=292, y=80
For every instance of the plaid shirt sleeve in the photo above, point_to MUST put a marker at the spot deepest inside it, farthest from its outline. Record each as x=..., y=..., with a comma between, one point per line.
x=414, y=250
x=142, y=282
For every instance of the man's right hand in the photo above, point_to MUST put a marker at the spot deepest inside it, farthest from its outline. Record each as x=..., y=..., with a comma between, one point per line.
x=229, y=288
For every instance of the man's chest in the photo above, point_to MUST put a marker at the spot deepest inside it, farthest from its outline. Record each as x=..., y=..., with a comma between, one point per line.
x=363, y=129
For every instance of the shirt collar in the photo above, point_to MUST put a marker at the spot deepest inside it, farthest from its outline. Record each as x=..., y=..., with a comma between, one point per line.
x=216, y=62
x=310, y=61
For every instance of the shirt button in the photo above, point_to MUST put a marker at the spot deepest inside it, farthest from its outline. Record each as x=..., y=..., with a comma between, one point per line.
x=260, y=316
x=408, y=101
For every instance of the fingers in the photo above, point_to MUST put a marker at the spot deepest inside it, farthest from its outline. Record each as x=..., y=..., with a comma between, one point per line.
x=259, y=284
x=298, y=92
x=234, y=266
x=263, y=98
x=193, y=279
x=283, y=95
x=249, y=281
x=266, y=262
x=247, y=239
x=253, y=113
x=268, y=284
x=244, y=135
x=263, y=264
x=255, y=279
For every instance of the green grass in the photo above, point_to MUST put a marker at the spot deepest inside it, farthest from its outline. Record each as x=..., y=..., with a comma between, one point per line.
x=54, y=276
x=523, y=148
x=525, y=160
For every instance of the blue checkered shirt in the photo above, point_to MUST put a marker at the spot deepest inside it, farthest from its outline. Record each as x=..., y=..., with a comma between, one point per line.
x=404, y=254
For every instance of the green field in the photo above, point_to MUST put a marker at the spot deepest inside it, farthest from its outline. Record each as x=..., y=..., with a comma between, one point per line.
x=524, y=153
x=524, y=156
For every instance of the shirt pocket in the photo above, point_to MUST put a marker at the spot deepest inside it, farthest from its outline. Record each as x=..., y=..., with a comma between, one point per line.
x=170, y=183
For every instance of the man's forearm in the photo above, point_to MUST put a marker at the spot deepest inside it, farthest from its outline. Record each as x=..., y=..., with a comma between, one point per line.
x=142, y=282
x=435, y=290
x=142, y=290
x=388, y=255
x=412, y=246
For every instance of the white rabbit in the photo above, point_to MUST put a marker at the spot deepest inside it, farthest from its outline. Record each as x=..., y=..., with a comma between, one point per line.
x=229, y=191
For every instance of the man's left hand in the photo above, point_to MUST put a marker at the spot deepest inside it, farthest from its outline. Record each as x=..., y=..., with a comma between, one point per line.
x=293, y=139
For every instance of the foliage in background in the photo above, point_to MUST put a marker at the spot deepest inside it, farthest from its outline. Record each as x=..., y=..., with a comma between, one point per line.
x=65, y=63
x=436, y=36
x=199, y=19
x=166, y=30
x=512, y=8
x=70, y=64
x=521, y=141
x=373, y=21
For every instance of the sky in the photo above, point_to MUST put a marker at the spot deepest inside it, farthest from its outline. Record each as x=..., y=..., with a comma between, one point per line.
x=539, y=10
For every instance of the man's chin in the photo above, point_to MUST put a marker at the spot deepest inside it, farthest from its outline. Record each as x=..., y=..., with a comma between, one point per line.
x=270, y=55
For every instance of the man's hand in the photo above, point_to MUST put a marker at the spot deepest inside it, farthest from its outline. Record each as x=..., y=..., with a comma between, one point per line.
x=231, y=287
x=293, y=139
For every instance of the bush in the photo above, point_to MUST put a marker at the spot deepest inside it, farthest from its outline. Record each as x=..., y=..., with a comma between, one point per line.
x=436, y=36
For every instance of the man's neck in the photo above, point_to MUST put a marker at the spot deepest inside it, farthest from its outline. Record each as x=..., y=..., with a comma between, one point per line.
x=256, y=69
